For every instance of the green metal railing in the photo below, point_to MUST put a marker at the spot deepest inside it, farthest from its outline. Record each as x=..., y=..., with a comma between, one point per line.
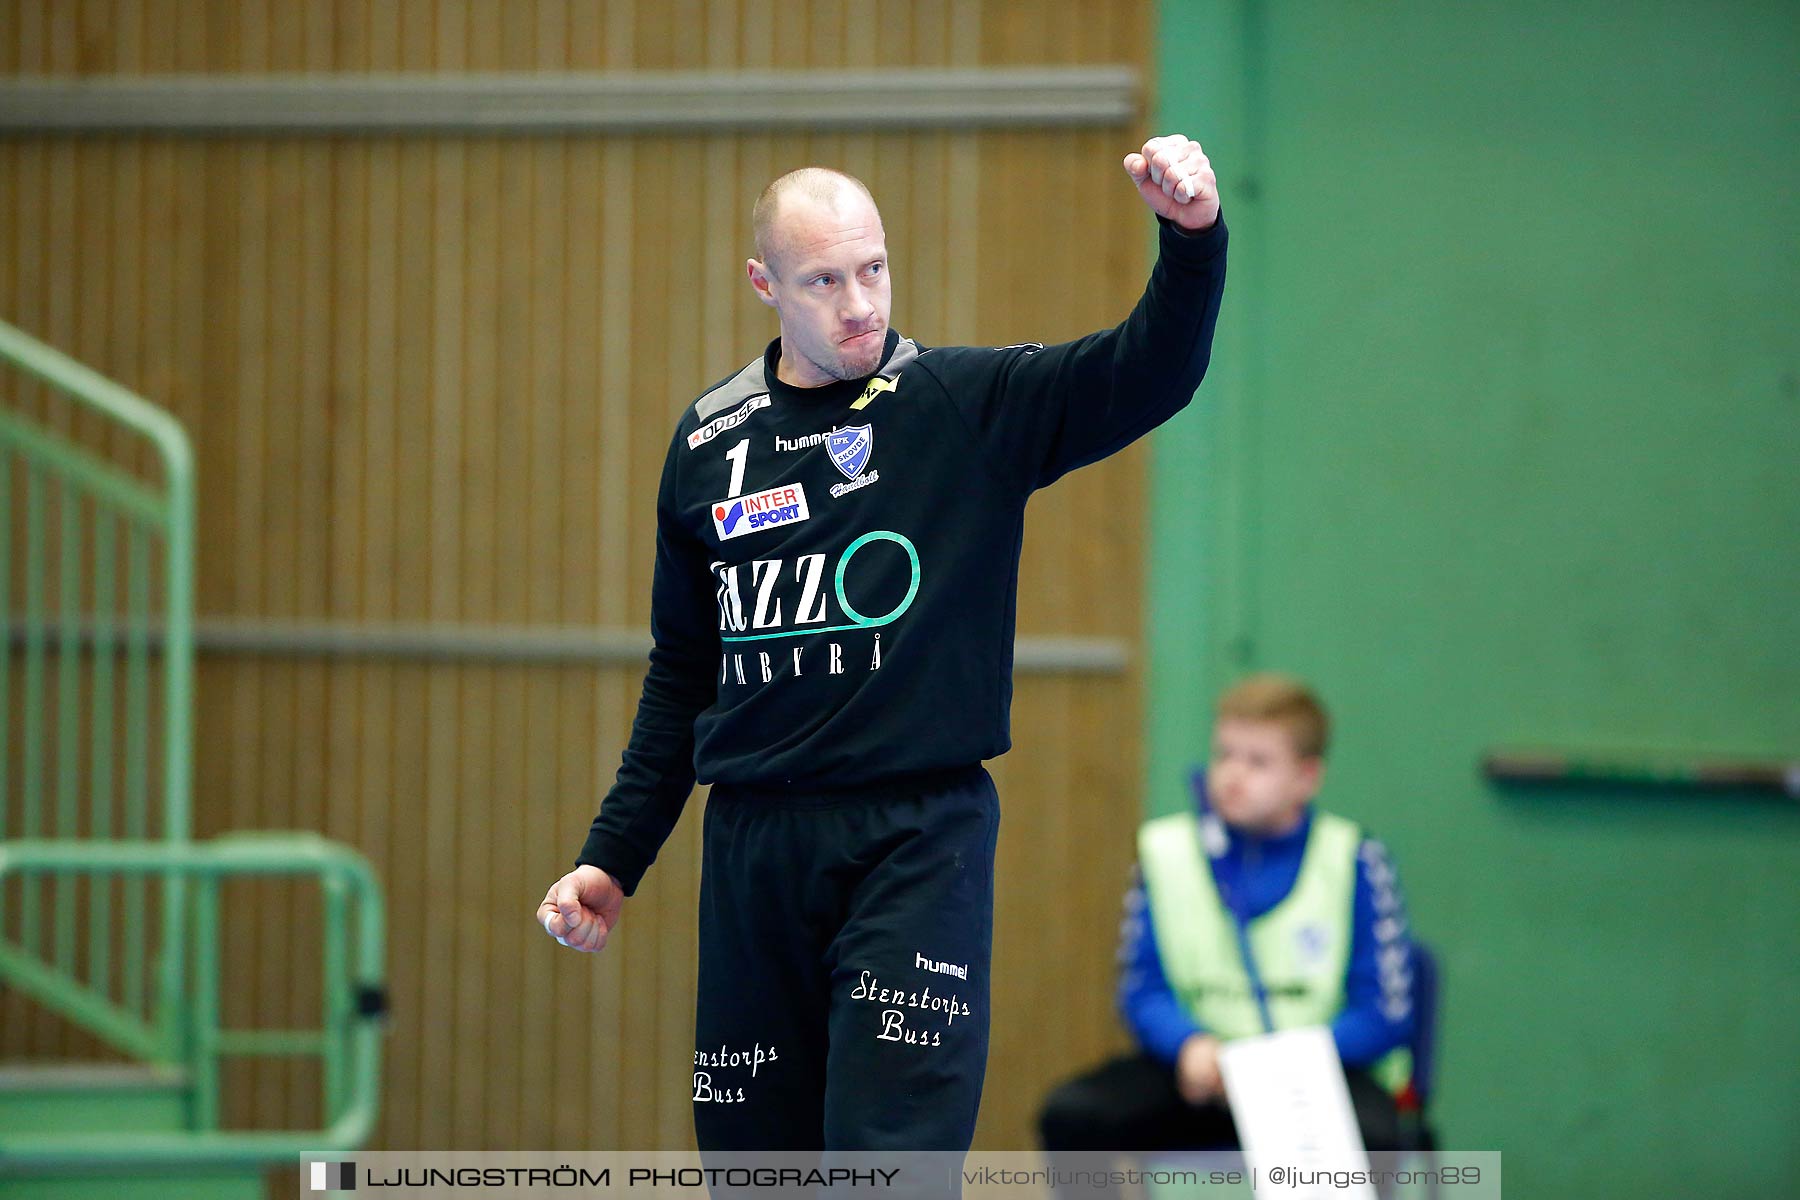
x=98, y=506
x=83, y=826
x=353, y=997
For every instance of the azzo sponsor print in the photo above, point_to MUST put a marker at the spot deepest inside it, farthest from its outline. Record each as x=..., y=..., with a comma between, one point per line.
x=774, y=600
x=737, y=515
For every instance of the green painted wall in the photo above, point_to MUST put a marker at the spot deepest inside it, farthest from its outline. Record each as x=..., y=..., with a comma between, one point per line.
x=1500, y=448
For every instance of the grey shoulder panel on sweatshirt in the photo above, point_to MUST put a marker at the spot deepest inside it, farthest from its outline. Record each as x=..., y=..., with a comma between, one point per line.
x=904, y=352
x=733, y=392
x=747, y=384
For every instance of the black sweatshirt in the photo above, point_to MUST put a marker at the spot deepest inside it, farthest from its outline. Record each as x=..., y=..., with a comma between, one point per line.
x=837, y=567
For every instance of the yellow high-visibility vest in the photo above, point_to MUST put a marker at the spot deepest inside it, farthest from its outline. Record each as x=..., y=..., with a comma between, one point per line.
x=1301, y=946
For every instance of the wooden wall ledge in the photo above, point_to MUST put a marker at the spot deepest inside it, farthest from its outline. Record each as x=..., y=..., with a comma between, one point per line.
x=543, y=103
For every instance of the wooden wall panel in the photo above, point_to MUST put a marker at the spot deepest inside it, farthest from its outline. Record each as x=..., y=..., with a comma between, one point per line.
x=433, y=379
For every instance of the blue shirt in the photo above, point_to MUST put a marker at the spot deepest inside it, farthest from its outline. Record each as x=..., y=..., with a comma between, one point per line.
x=1255, y=874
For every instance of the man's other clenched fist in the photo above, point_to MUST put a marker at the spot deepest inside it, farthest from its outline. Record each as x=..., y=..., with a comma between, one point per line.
x=581, y=908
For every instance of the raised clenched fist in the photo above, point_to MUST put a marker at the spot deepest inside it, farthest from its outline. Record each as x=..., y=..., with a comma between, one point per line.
x=1176, y=180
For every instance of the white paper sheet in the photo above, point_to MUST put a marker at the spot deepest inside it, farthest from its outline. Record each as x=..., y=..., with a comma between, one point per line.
x=1293, y=1112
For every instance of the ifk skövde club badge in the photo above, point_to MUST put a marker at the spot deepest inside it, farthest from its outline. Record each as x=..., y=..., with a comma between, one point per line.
x=850, y=448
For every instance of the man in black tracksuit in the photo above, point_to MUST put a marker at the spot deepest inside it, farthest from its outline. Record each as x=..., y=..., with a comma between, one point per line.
x=838, y=533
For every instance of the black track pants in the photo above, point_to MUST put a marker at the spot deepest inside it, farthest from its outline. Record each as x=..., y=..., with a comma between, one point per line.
x=844, y=946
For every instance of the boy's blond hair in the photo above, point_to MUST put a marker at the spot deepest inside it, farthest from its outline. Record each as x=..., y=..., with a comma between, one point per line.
x=1284, y=700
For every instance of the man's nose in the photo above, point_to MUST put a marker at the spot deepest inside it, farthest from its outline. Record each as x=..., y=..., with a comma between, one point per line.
x=859, y=306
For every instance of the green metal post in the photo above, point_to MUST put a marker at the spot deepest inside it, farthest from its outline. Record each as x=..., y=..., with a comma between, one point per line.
x=178, y=703
x=6, y=583
x=68, y=713
x=137, y=725
x=337, y=1010
x=203, y=1039
x=100, y=786
x=32, y=814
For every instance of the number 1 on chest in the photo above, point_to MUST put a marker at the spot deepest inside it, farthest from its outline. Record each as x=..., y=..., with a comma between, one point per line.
x=738, y=455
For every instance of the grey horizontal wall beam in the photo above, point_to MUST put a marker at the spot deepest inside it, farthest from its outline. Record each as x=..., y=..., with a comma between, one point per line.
x=519, y=645
x=610, y=102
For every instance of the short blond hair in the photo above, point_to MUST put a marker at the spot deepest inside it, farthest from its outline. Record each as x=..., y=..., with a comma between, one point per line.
x=1282, y=700
x=816, y=183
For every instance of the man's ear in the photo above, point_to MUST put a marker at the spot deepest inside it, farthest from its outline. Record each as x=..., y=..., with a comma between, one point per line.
x=1315, y=770
x=760, y=275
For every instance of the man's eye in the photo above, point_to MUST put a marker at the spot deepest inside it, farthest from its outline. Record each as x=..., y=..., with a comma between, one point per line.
x=875, y=268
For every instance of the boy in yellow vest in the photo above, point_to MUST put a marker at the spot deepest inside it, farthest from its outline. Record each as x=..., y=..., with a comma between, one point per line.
x=1250, y=912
